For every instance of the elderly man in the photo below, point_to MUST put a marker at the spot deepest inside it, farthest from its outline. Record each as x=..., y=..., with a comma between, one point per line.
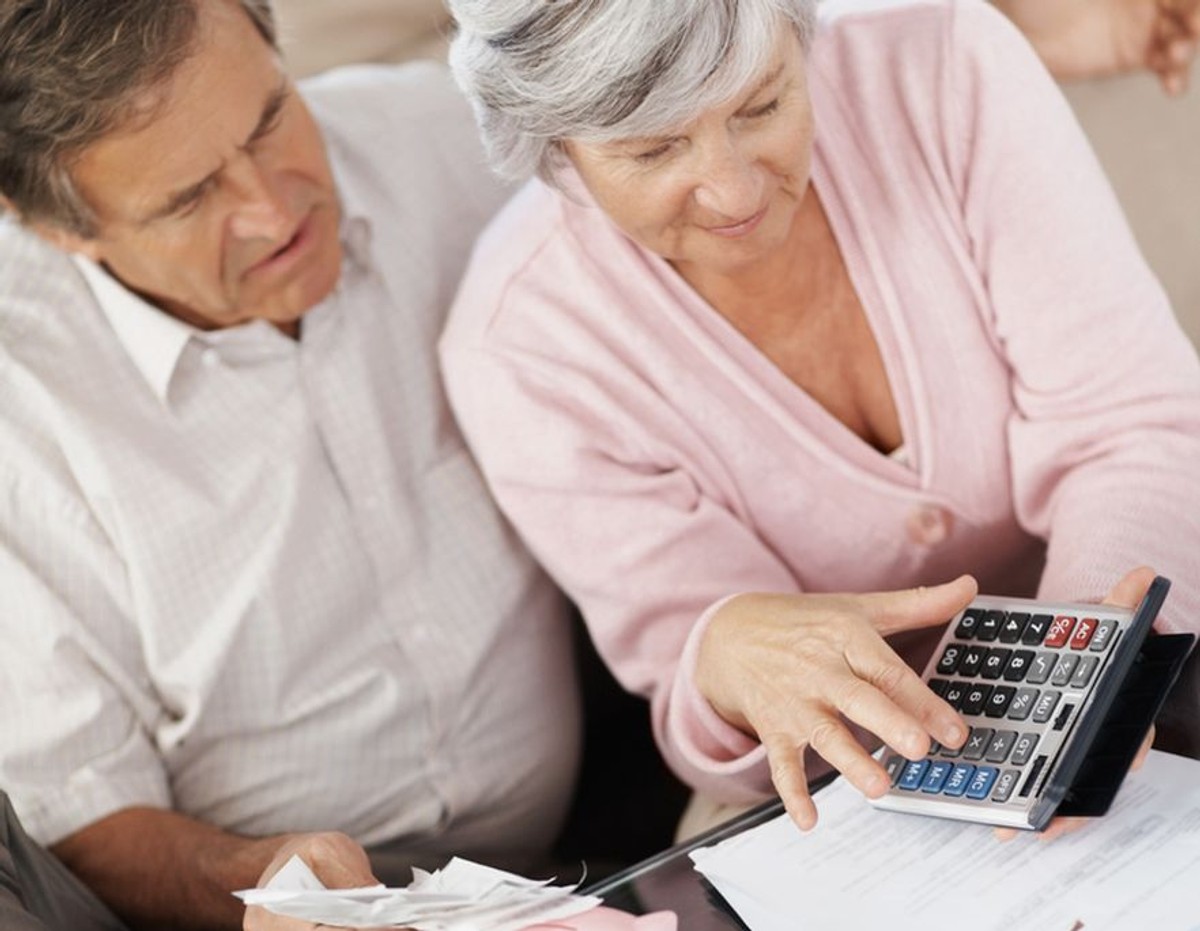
x=254, y=587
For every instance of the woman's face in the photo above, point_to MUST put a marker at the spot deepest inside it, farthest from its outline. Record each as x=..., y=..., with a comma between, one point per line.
x=719, y=194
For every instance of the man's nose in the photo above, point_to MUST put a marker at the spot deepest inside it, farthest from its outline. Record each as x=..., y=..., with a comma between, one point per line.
x=730, y=184
x=259, y=212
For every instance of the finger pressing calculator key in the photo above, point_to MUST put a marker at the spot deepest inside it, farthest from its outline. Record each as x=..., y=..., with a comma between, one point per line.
x=1036, y=683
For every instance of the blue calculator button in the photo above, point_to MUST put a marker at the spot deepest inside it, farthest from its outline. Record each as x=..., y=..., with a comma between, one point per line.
x=914, y=772
x=935, y=778
x=981, y=782
x=959, y=779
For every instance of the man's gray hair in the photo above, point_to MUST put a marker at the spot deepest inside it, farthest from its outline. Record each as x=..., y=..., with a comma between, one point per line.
x=72, y=71
x=539, y=72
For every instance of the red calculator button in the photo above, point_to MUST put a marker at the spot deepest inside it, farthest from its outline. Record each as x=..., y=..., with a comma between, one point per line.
x=1083, y=633
x=1060, y=631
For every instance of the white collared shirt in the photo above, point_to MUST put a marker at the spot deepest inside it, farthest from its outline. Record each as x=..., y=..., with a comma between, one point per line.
x=259, y=580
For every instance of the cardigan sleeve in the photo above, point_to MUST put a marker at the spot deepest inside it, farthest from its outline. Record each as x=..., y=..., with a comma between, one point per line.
x=1105, y=434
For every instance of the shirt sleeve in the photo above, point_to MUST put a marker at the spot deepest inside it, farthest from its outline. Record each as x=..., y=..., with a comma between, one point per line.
x=626, y=529
x=75, y=744
x=1105, y=434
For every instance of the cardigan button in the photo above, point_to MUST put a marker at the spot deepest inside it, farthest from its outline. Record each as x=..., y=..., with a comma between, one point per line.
x=929, y=525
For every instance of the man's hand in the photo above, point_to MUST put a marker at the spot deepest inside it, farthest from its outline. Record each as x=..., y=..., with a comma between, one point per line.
x=1096, y=38
x=336, y=860
x=1127, y=593
x=792, y=669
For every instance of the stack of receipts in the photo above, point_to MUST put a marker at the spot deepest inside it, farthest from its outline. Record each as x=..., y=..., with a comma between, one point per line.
x=1135, y=868
x=462, y=896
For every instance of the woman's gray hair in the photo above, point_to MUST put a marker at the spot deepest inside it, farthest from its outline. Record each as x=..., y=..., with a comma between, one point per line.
x=539, y=72
x=71, y=71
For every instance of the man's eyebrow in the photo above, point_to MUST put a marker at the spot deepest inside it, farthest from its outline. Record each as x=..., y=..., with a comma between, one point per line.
x=266, y=122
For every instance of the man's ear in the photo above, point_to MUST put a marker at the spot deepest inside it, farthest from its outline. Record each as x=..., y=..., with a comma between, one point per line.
x=56, y=235
x=66, y=239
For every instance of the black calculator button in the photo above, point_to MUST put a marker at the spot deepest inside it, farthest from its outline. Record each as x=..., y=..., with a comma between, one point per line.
x=998, y=749
x=1023, y=749
x=989, y=627
x=1011, y=629
x=895, y=767
x=1103, y=636
x=1035, y=630
x=975, y=698
x=1040, y=667
x=968, y=624
x=1005, y=785
x=955, y=692
x=999, y=700
x=1045, y=706
x=1082, y=677
x=1063, y=670
x=1018, y=665
x=949, y=753
x=977, y=743
x=972, y=659
x=1022, y=704
x=994, y=662
x=951, y=657
x=938, y=686
x=1064, y=715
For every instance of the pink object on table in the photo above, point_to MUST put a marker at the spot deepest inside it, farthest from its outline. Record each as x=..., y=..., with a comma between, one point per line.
x=609, y=919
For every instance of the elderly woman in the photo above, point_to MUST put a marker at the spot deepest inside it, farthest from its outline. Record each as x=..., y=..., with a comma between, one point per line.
x=797, y=309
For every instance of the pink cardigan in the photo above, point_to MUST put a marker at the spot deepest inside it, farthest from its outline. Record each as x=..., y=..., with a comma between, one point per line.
x=656, y=462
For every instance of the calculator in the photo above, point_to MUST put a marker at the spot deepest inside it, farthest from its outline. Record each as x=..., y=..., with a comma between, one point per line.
x=1058, y=698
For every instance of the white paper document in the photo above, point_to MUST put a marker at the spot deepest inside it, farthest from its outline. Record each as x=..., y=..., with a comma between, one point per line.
x=1136, y=868
x=463, y=896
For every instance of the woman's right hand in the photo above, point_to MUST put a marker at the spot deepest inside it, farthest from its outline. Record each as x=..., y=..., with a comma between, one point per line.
x=791, y=670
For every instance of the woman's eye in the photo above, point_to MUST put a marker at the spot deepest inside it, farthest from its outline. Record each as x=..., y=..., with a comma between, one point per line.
x=654, y=154
x=765, y=110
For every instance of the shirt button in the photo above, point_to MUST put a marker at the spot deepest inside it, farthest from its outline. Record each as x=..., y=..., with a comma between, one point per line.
x=210, y=358
x=929, y=525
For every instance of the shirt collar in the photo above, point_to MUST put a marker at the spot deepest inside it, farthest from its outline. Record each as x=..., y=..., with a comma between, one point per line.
x=155, y=340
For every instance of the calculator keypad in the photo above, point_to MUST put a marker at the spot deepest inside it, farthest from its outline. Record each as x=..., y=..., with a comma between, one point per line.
x=1017, y=677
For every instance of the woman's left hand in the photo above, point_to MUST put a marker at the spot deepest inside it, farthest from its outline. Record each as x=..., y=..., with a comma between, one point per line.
x=1127, y=593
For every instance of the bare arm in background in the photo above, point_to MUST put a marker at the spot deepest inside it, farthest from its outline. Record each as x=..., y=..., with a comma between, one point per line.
x=160, y=869
x=1095, y=38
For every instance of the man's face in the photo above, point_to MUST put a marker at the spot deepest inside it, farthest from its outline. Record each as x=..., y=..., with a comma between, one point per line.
x=221, y=208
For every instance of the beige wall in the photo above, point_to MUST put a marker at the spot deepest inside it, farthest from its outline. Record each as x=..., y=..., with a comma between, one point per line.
x=1149, y=144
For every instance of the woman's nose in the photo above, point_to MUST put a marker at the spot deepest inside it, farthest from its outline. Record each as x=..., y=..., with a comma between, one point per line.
x=731, y=185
